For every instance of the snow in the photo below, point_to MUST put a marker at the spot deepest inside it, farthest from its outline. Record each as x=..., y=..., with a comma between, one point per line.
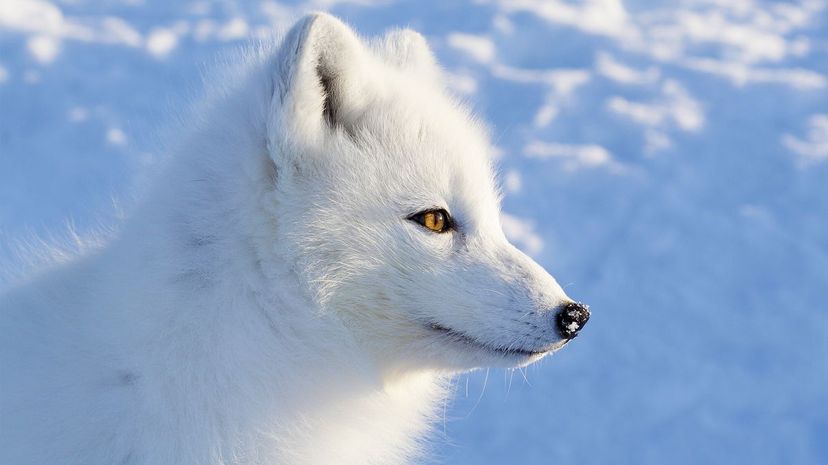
x=512, y=181
x=609, y=67
x=115, y=136
x=43, y=48
x=522, y=232
x=161, y=42
x=674, y=106
x=577, y=155
x=814, y=147
x=666, y=161
x=594, y=16
x=479, y=48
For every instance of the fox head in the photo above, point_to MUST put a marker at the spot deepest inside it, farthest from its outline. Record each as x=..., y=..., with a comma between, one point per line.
x=388, y=206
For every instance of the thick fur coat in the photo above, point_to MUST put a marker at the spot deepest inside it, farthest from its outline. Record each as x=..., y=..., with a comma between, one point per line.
x=276, y=298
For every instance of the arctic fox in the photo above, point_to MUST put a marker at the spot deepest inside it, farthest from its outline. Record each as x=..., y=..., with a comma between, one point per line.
x=322, y=254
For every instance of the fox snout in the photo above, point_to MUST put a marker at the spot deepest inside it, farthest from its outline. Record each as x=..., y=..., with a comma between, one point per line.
x=571, y=319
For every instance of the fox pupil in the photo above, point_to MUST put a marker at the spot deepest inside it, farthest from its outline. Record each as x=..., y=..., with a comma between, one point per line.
x=434, y=220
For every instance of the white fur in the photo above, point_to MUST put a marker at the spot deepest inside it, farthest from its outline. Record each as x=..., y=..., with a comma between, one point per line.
x=270, y=302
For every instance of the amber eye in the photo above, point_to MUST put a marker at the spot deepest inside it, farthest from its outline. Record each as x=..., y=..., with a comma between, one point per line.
x=438, y=221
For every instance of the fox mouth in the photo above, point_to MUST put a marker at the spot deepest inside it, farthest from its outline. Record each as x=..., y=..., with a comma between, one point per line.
x=460, y=337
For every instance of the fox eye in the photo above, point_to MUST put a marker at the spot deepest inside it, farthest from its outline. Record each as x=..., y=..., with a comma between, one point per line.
x=437, y=220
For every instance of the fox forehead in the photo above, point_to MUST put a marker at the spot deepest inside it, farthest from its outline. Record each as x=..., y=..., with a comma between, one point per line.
x=422, y=154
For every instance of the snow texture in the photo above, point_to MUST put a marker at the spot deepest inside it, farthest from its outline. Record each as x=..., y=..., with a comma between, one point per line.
x=666, y=161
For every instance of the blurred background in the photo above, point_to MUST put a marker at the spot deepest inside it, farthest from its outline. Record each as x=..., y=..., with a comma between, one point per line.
x=666, y=161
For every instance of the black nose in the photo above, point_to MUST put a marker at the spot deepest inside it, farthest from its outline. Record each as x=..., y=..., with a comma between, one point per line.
x=571, y=318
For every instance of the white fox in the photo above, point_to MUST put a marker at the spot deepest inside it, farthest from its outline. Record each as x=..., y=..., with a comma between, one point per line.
x=323, y=252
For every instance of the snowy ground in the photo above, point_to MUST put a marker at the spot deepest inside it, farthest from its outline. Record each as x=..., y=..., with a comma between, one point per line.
x=667, y=161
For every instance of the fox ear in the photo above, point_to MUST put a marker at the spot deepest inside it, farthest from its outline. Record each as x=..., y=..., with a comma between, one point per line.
x=320, y=80
x=408, y=50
